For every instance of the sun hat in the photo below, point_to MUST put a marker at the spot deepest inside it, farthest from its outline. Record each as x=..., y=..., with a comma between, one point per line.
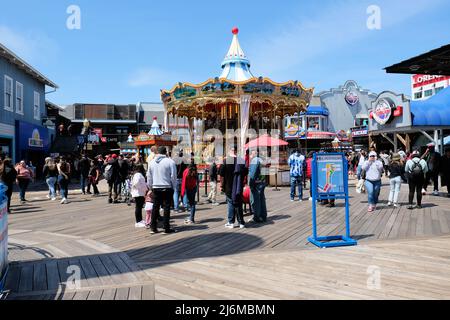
x=396, y=157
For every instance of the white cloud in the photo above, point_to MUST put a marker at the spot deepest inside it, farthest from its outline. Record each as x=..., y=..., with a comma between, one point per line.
x=32, y=45
x=328, y=29
x=150, y=76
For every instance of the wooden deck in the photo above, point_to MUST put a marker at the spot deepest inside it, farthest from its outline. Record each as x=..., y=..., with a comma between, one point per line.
x=208, y=261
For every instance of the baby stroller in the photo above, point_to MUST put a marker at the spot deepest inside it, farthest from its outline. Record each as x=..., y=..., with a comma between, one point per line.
x=126, y=191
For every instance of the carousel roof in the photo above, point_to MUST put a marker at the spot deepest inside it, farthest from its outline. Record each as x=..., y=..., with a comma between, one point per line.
x=236, y=66
x=155, y=130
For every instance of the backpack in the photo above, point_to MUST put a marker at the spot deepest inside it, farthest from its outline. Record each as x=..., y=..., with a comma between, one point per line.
x=108, y=174
x=416, y=170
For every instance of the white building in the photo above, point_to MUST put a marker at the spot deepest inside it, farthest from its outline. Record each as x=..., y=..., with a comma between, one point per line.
x=426, y=86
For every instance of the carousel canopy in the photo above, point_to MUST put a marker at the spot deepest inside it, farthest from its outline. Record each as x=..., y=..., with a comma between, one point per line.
x=155, y=130
x=222, y=95
x=236, y=66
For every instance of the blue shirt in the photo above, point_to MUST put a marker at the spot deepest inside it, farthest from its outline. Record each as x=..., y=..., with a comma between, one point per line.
x=296, y=163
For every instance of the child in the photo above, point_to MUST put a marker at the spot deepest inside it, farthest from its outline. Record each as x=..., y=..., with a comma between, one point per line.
x=148, y=209
x=189, y=189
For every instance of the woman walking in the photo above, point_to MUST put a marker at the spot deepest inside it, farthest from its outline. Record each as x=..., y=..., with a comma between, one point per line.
x=416, y=169
x=51, y=176
x=257, y=185
x=93, y=178
x=8, y=175
x=189, y=188
x=397, y=173
x=63, y=179
x=138, y=191
x=374, y=170
x=24, y=177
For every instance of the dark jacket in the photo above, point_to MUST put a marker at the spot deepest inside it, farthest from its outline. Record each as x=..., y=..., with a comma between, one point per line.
x=124, y=169
x=434, y=162
x=50, y=173
x=180, y=170
x=115, y=170
x=397, y=170
x=233, y=172
x=84, y=166
x=9, y=175
x=213, y=173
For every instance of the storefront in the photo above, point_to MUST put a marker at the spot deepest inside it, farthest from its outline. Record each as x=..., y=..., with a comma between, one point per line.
x=32, y=143
x=396, y=122
x=7, y=133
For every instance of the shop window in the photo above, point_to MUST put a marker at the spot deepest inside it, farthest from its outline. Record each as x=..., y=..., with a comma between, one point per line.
x=8, y=86
x=37, y=106
x=418, y=95
x=313, y=123
x=19, y=98
x=439, y=89
x=428, y=93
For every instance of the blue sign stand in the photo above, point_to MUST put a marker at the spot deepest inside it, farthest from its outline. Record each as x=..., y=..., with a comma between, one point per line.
x=330, y=165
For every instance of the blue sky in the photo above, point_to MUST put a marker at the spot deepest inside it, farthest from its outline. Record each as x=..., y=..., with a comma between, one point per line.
x=126, y=51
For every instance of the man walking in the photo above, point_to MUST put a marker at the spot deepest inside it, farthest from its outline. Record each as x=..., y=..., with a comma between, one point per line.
x=83, y=169
x=213, y=173
x=124, y=170
x=296, y=163
x=111, y=175
x=433, y=160
x=233, y=172
x=257, y=184
x=162, y=180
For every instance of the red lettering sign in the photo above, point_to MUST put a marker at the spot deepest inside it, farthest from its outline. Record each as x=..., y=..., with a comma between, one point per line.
x=420, y=80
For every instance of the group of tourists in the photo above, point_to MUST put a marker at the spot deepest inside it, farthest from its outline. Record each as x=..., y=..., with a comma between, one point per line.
x=416, y=169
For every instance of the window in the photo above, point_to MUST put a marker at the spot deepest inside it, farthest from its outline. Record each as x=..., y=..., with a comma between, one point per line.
x=428, y=93
x=37, y=106
x=439, y=89
x=19, y=98
x=9, y=94
x=418, y=95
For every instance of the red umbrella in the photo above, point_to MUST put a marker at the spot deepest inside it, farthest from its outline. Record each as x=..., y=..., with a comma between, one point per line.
x=265, y=141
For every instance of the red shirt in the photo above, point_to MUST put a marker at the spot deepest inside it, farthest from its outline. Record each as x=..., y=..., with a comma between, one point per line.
x=188, y=183
x=309, y=168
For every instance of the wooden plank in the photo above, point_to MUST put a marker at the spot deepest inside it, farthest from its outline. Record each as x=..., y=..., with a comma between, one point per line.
x=89, y=271
x=52, y=275
x=122, y=294
x=13, y=278
x=81, y=295
x=95, y=295
x=39, y=277
x=109, y=294
x=148, y=292
x=101, y=271
x=26, y=278
x=135, y=293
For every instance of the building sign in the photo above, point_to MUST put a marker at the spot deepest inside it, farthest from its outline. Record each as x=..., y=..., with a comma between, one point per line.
x=383, y=111
x=360, y=132
x=420, y=80
x=352, y=97
x=30, y=136
x=35, y=140
x=319, y=135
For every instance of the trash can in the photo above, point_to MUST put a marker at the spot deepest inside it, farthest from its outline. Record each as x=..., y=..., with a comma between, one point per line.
x=3, y=236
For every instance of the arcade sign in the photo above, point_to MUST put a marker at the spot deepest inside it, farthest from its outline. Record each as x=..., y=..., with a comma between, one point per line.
x=352, y=98
x=385, y=110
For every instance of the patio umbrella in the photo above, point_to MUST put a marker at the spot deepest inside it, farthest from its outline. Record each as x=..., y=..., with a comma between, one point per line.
x=265, y=141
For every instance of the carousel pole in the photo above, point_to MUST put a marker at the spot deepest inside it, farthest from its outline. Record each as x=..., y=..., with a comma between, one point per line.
x=276, y=169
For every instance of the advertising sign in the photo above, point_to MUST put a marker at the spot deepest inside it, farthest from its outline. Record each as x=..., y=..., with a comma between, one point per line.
x=330, y=174
x=420, y=80
x=3, y=236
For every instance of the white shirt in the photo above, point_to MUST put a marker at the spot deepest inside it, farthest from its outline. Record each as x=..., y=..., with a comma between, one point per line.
x=138, y=186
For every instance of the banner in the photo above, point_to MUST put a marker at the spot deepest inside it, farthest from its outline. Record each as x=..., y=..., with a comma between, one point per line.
x=245, y=116
x=3, y=236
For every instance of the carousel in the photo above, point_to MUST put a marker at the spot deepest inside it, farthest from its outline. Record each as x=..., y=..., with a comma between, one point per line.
x=236, y=101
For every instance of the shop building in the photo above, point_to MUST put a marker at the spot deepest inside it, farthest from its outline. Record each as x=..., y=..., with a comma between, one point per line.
x=25, y=132
x=425, y=86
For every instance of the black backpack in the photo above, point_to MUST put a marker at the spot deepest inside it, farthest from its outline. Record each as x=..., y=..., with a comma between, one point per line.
x=417, y=170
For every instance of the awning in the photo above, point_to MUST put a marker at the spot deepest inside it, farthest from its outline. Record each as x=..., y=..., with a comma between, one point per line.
x=316, y=111
x=432, y=112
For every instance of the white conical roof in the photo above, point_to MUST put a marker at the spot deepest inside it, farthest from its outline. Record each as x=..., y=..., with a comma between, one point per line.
x=236, y=66
x=155, y=130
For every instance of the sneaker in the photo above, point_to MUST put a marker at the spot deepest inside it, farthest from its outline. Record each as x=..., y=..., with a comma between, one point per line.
x=53, y=199
x=187, y=221
x=419, y=207
x=48, y=196
x=169, y=231
x=242, y=226
x=436, y=193
x=147, y=226
x=140, y=224
x=153, y=231
x=229, y=226
x=370, y=209
x=64, y=201
x=389, y=204
x=396, y=205
x=110, y=200
x=310, y=199
x=410, y=207
x=292, y=200
x=215, y=204
x=300, y=200
x=424, y=192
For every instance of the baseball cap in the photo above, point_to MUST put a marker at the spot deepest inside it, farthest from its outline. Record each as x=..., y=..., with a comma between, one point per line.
x=114, y=156
x=372, y=154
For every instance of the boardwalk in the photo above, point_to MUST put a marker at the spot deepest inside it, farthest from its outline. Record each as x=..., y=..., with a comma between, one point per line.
x=410, y=249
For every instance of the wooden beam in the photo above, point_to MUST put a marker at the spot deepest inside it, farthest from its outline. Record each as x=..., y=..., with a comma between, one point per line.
x=403, y=141
x=384, y=135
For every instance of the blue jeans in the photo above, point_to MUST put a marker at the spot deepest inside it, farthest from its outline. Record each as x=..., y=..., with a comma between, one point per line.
x=233, y=211
x=176, y=195
x=296, y=181
x=190, y=194
x=258, y=202
x=51, y=181
x=64, y=186
x=358, y=172
x=373, y=189
x=83, y=183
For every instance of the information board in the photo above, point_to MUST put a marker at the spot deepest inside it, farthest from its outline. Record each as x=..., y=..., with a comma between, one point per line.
x=330, y=174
